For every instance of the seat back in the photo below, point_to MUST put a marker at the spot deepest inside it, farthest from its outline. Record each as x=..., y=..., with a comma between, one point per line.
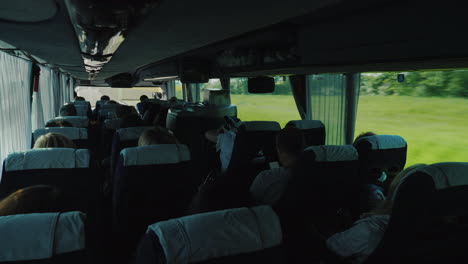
x=228, y=236
x=380, y=153
x=325, y=180
x=79, y=136
x=107, y=111
x=83, y=108
x=429, y=217
x=314, y=131
x=123, y=138
x=43, y=238
x=76, y=121
x=150, y=184
x=67, y=169
x=254, y=139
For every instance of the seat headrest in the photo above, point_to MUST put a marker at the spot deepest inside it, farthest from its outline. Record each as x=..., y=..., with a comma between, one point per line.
x=73, y=133
x=107, y=113
x=76, y=121
x=131, y=133
x=380, y=142
x=41, y=236
x=306, y=124
x=47, y=158
x=446, y=174
x=112, y=123
x=254, y=126
x=109, y=106
x=211, y=235
x=81, y=109
x=155, y=154
x=333, y=153
x=81, y=103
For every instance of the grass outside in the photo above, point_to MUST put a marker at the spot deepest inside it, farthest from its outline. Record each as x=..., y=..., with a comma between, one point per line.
x=436, y=129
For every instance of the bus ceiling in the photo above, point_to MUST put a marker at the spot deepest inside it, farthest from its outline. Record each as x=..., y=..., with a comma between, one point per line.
x=141, y=41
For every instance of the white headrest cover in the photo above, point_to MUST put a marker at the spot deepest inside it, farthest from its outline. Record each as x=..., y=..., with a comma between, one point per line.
x=216, y=234
x=73, y=133
x=306, y=124
x=47, y=158
x=81, y=109
x=112, y=123
x=334, y=153
x=379, y=142
x=131, y=133
x=76, y=121
x=447, y=174
x=253, y=126
x=40, y=236
x=155, y=154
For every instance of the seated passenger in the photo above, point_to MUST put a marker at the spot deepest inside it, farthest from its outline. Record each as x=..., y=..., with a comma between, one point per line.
x=80, y=98
x=140, y=104
x=359, y=241
x=269, y=185
x=374, y=193
x=111, y=102
x=53, y=140
x=67, y=110
x=129, y=116
x=224, y=138
x=58, y=123
x=156, y=136
x=34, y=199
x=105, y=98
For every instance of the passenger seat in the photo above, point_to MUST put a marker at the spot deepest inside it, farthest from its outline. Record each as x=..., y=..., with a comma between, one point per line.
x=314, y=131
x=67, y=169
x=76, y=121
x=429, y=217
x=241, y=235
x=151, y=183
x=79, y=136
x=44, y=238
x=83, y=108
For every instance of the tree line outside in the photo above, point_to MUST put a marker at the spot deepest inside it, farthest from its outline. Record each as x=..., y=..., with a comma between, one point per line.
x=419, y=83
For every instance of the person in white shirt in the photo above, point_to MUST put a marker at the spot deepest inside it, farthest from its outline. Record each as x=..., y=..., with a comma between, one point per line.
x=359, y=241
x=269, y=185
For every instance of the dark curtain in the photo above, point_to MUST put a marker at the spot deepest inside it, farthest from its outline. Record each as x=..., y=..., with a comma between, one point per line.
x=298, y=87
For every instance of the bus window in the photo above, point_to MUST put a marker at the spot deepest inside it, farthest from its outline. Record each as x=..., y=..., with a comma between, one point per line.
x=178, y=90
x=278, y=106
x=427, y=108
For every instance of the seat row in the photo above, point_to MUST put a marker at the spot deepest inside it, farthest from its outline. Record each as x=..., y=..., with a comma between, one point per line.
x=416, y=228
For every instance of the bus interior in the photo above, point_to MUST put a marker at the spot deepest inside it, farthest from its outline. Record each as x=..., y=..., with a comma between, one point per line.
x=101, y=192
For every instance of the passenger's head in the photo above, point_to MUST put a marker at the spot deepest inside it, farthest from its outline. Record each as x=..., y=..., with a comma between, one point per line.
x=387, y=206
x=80, y=98
x=143, y=98
x=58, y=123
x=290, y=143
x=34, y=199
x=111, y=102
x=173, y=100
x=156, y=136
x=53, y=140
x=364, y=134
x=105, y=98
x=68, y=110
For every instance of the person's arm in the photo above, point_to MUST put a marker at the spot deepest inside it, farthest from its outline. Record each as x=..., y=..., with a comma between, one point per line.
x=212, y=135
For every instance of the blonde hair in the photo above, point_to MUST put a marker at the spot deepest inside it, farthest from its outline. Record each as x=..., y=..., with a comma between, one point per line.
x=387, y=205
x=34, y=199
x=155, y=136
x=53, y=140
